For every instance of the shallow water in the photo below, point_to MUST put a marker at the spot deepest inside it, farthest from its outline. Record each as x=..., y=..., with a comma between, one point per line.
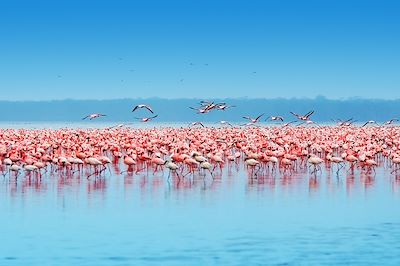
x=144, y=219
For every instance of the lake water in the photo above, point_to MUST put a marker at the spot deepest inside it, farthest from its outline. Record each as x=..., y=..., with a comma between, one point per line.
x=145, y=219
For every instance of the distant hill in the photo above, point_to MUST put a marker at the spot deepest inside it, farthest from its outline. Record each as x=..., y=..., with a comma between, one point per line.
x=177, y=109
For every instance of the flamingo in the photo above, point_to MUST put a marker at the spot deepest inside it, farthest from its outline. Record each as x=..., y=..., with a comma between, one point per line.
x=253, y=120
x=95, y=163
x=308, y=122
x=288, y=124
x=146, y=119
x=275, y=118
x=337, y=160
x=223, y=122
x=141, y=106
x=32, y=150
x=196, y=124
x=223, y=106
x=391, y=121
x=208, y=106
x=315, y=161
x=303, y=117
x=251, y=162
x=347, y=122
x=173, y=167
x=370, y=122
x=207, y=166
x=200, y=110
x=93, y=116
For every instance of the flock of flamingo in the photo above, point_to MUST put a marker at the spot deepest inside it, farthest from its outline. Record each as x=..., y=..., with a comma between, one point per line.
x=204, y=151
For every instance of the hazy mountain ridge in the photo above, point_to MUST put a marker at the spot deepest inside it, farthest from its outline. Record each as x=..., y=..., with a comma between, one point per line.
x=178, y=109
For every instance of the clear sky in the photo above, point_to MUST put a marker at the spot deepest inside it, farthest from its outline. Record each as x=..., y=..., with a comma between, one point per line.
x=111, y=49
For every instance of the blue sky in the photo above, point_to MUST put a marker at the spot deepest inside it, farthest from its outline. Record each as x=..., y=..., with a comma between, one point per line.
x=204, y=49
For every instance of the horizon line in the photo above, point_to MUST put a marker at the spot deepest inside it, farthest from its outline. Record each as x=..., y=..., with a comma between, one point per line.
x=318, y=97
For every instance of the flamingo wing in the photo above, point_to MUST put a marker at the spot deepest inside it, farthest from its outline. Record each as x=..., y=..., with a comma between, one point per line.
x=366, y=123
x=258, y=117
x=149, y=108
x=308, y=114
x=296, y=115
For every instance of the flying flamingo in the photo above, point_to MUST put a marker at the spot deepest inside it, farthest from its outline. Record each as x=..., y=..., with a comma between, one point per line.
x=253, y=120
x=208, y=106
x=303, y=117
x=118, y=126
x=93, y=116
x=347, y=122
x=146, y=119
x=196, y=124
x=391, y=121
x=275, y=118
x=141, y=106
x=223, y=106
x=370, y=122
x=200, y=110
x=308, y=122
x=226, y=123
x=288, y=123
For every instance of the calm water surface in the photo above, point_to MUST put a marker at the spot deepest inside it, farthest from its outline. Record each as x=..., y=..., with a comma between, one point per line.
x=143, y=219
